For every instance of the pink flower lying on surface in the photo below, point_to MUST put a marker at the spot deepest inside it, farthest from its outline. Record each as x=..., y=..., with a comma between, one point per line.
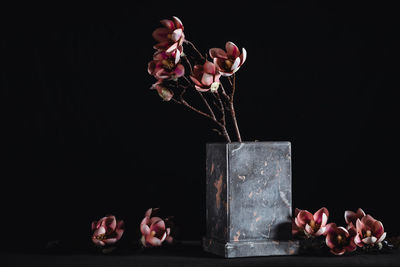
x=206, y=77
x=171, y=36
x=313, y=225
x=154, y=231
x=166, y=66
x=230, y=61
x=295, y=229
x=107, y=230
x=369, y=231
x=351, y=216
x=165, y=93
x=340, y=239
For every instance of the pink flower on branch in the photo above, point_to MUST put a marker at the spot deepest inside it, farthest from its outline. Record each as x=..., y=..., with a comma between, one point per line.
x=369, y=231
x=154, y=231
x=166, y=66
x=229, y=61
x=107, y=230
x=171, y=36
x=206, y=77
x=340, y=239
x=312, y=224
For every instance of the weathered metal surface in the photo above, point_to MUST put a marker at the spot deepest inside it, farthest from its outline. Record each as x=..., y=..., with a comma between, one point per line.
x=249, y=199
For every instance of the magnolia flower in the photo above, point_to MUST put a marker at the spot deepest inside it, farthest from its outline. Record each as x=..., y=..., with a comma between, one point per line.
x=154, y=231
x=340, y=239
x=165, y=93
x=206, y=77
x=171, y=36
x=166, y=66
x=369, y=231
x=313, y=225
x=230, y=61
x=351, y=216
x=107, y=230
x=295, y=229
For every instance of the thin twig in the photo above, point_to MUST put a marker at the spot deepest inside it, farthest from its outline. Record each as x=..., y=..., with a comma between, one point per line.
x=194, y=48
x=235, y=124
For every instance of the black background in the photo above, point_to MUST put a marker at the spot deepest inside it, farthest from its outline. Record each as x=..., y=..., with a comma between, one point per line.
x=84, y=136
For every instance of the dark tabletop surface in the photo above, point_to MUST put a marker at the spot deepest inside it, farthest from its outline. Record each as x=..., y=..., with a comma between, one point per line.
x=187, y=253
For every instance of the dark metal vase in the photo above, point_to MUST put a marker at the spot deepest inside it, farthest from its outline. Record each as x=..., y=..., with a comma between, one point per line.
x=249, y=199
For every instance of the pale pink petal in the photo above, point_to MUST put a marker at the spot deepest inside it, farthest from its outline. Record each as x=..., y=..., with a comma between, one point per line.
x=176, y=35
x=178, y=22
x=320, y=231
x=110, y=223
x=217, y=53
x=383, y=236
x=359, y=226
x=342, y=231
x=235, y=64
x=119, y=233
x=296, y=212
x=232, y=50
x=163, y=237
x=298, y=224
x=377, y=229
x=330, y=228
x=200, y=89
x=309, y=229
x=100, y=231
x=158, y=226
x=172, y=48
x=207, y=79
x=177, y=56
x=369, y=240
x=243, y=56
x=358, y=241
x=318, y=216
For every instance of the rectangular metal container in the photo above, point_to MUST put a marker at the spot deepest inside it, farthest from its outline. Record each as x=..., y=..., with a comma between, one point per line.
x=249, y=199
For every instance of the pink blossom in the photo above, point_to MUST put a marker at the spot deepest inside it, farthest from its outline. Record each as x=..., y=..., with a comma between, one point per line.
x=154, y=231
x=107, y=230
x=340, y=239
x=171, y=36
x=206, y=77
x=369, y=231
x=351, y=216
x=165, y=93
x=166, y=66
x=312, y=224
x=229, y=61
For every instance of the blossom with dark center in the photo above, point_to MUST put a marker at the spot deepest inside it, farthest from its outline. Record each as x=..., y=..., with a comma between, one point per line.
x=369, y=231
x=171, y=36
x=206, y=77
x=107, y=230
x=340, y=239
x=313, y=224
x=154, y=231
x=229, y=61
x=166, y=66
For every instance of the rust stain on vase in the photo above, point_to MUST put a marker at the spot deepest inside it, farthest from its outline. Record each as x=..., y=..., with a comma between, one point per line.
x=218, y=186
x=212, y=168
x=236, y=237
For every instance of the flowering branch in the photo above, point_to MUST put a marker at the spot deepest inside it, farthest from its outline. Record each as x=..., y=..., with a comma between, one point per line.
x=204, y=78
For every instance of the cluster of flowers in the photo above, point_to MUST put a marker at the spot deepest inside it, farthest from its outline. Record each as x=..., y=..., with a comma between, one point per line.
x=361, y=231
x=166, y=63
x=108, y=230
